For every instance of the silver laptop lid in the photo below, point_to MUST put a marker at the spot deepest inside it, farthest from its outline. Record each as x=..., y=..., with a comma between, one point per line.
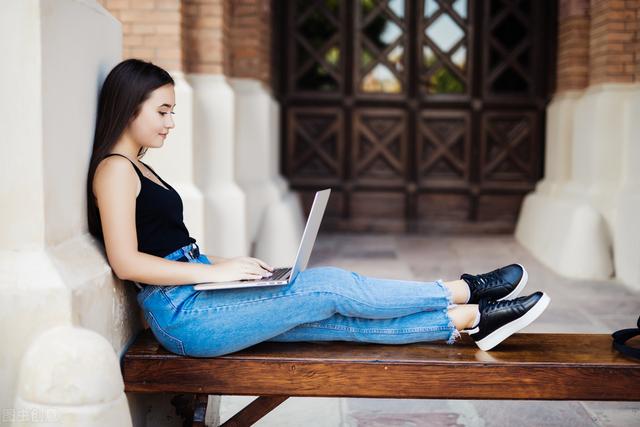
x=310, y=232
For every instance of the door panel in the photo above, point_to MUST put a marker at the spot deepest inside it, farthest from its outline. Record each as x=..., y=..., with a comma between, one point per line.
x=420, y=115
x=379, y=157
x=316, y=146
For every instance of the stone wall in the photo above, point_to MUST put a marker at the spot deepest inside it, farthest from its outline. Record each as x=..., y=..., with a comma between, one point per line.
x=65, y=318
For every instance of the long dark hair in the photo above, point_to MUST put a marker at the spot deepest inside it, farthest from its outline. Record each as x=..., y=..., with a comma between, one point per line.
x=126, y=87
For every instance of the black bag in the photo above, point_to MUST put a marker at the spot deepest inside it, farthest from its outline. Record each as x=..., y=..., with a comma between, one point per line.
x=622, y=336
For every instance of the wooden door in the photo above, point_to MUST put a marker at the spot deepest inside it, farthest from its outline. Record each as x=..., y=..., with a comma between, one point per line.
x=420, y=115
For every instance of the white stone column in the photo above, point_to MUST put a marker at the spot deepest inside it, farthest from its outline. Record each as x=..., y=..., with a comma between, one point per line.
x=225, y=214
x=626, y=247
x=175, y=160
x=598, y=134
x=274, y=214
x=565, y=232
x=56, y=55
x=571, y=224
x=558, y=143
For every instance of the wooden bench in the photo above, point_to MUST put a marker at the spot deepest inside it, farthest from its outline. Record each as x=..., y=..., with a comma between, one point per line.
x=525, y=366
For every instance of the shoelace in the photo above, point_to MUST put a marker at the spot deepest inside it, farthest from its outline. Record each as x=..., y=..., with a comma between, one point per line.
x=489, y=306
x=481, y=281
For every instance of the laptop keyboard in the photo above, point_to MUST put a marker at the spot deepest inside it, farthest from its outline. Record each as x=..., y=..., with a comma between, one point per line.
x=278, y=273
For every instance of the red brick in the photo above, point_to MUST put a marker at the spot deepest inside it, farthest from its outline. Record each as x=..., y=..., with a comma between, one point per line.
x=143, y=4
x=131, y=40
x=168, y=4
x=167, y=29
x=116, y=4
x=620, y=36
x=168, y=53
x=143, y=29
x=143, y=53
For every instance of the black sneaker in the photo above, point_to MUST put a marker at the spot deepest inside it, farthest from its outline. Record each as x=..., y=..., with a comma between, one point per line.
x=503, y=283
x=499, y=320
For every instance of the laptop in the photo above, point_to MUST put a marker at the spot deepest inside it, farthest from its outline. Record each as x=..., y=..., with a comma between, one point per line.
x=285, y=275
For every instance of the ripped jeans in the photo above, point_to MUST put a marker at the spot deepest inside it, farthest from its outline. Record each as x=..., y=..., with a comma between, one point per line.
x=321, y=304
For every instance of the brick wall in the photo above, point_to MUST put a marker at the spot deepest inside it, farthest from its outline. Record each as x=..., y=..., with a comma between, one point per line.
x=598, y=42
x=573, y=45
x=638, y=45
x=231, y=37
x=151, y=30
x=613, y=41
x=206, y=29
x=251, y=39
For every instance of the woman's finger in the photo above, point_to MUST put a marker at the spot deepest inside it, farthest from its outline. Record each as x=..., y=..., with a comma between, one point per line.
x=261, y=271
x=249, y=264
x=263, y=264
x=256, y=270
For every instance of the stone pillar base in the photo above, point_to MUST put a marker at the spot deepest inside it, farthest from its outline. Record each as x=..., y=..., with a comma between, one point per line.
x=70, y=376
x=569, y=237
x=627, y=216
x=627, y=246
x=582, y=211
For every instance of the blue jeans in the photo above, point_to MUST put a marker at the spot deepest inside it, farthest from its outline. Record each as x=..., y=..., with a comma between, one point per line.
x=321, y=304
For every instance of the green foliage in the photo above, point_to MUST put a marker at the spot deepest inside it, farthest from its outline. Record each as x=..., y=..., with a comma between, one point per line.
x=443, y=81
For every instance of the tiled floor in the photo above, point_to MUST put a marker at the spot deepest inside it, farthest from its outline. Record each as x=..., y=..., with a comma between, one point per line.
x=577, y=306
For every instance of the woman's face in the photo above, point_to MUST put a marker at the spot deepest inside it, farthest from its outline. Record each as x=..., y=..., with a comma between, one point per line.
x=151, y=127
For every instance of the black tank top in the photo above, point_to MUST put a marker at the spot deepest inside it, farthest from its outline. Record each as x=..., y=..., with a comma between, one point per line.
x=159, y=221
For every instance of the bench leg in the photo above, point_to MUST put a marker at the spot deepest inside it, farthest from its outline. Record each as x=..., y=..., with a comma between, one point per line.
x=254, y=411
x=200, y=410
x=192, y=408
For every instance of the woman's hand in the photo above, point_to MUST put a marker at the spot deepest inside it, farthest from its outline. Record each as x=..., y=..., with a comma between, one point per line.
x=241, y=268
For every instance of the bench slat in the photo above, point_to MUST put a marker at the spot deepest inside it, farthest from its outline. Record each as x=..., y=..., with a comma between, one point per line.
x=526, y=366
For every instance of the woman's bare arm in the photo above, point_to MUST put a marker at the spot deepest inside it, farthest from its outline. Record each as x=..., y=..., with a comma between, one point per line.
x=116, y=186
x=159, y=271
x=213, y=258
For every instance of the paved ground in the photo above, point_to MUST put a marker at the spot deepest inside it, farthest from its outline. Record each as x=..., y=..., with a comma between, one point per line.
x=577, y=306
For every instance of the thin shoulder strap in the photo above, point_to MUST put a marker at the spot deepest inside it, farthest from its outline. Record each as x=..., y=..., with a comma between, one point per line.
x=150, y=168
x=134, y=165
x=154, y=172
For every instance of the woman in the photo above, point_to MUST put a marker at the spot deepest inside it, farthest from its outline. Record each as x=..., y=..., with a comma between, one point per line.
x=138, y=218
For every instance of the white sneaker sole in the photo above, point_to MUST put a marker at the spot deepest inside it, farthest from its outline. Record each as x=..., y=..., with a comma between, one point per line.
x=521, y=284
x=504, y=332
